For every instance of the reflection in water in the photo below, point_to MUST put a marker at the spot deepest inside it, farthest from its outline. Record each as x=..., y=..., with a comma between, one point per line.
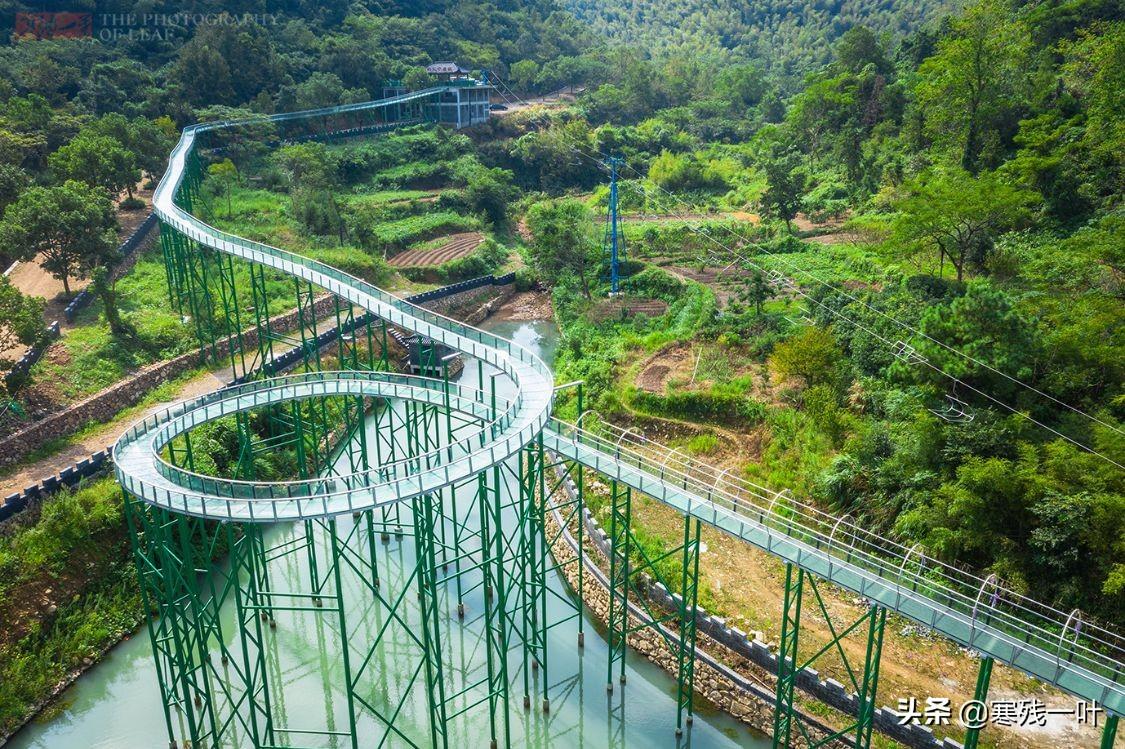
x=116, y=704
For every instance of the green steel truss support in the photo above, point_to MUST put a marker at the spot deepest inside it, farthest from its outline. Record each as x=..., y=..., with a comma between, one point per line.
x=221, y=687
x=864, y=680
x=632, y=569
x=980, y=694
x=492, y=582
x=218, y=690
x=783, y=714
x=425, y=543
x=533, y=573
x=688, y=601
x=208, y=689
x=620, y=519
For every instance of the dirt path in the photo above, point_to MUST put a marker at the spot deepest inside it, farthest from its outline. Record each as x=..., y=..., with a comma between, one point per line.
x=106, y=435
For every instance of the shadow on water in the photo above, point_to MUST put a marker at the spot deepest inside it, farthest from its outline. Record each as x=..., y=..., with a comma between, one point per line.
x=116, y=704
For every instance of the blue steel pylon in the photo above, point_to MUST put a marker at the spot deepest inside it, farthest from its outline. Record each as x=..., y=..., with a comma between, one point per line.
x=614, y=239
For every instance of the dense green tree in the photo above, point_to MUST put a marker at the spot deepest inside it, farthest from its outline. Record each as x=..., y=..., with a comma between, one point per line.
x=857, y=48
x=742, y=85
x=984, y=325
x=308, y=166
x=785, y=184
x=564, y=245
x=13, y=181
x=756, y=291
x=552, y=158
x=97, y=160
x=811, y=355
x=227, y=173
x=788, y=39
x=317, y=91
x=227, y=63
x=973, y=90
x=147, y=140
x=523, y=74
x=69, y=226
x=105, y=289
x=957, y=217
x=490, y=193
x=21, y=316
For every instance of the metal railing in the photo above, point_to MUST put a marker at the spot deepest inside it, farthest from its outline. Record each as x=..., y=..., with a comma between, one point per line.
x=144, y=473
x=985, y=601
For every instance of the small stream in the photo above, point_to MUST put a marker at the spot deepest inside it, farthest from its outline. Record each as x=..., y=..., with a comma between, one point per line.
x=116, y=704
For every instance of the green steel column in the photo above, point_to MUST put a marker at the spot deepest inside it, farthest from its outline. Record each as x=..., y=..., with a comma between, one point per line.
x=197, y=633
x=141, y=542
x=1109, y=733
x=500, y=587
x=232, y=314
x=168, y=255
x=539, y=537
x=345, y=638
x=525, y=551
x=621, y=501
x=251, y=611
x=430, y=615
x=787, y=656
x=689, y=599
x=314, y=567
x=980, y=694
x=495, y=653
x=865, y=720
x=260, y=299
x=581, y=512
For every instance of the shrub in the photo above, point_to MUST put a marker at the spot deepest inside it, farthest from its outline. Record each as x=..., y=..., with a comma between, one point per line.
x=720, y=404
x=811, y=355
x=485, y=259
x=355, y=261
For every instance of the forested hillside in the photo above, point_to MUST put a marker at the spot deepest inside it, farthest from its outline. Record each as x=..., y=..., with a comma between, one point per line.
x=976, y=172
x=162, y=66
x=874, y=247
x=787, y=37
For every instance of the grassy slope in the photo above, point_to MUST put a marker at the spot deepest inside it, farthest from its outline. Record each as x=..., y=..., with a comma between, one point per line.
x=67, y=592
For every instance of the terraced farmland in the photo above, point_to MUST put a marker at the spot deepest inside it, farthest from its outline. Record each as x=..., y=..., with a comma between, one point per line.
x=454, y=246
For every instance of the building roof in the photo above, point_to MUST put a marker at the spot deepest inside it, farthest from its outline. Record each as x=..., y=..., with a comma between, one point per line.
x=445, y=68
